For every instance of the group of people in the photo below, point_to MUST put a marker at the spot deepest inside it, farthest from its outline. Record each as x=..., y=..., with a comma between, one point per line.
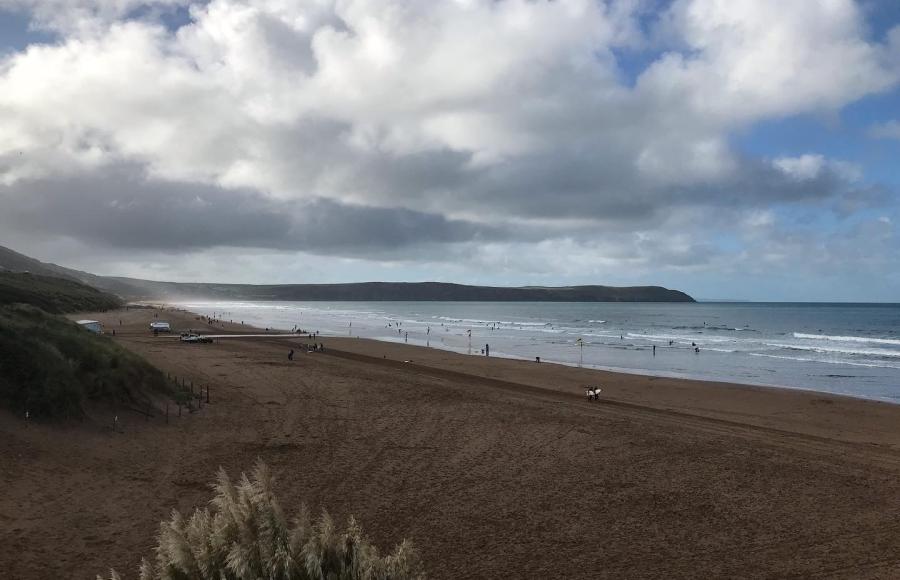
x=671, y=342
x=310, y=347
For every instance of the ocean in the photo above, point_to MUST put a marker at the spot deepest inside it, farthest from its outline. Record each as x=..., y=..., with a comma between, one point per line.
x=848, y=349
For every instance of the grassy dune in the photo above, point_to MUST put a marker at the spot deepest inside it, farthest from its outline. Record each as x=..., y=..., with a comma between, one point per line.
x=49, y=366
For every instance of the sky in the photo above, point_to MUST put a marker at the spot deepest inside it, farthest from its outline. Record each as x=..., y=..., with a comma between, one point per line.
x=735, y=149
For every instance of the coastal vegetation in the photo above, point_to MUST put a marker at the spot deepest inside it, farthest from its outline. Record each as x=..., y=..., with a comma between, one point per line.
x=56, y=295
x=245, y=535
x=49, y=366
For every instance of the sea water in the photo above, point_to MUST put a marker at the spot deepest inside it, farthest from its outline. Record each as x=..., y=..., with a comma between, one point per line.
x=851, y=349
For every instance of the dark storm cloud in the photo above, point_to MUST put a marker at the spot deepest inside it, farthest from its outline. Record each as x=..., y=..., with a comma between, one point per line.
x=121, y=209
x=586, y=180
x=584, y=185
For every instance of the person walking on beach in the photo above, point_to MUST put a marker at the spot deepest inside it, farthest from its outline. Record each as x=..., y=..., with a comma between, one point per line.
x=487, y=350
x=291, y=355
x=654, y=350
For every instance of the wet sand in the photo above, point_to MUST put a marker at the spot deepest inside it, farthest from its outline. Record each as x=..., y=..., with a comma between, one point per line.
x=496, y=468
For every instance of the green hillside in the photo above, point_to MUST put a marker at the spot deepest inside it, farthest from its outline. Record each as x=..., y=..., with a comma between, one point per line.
x=56, y=295
x=136, y=289
x=51, y=367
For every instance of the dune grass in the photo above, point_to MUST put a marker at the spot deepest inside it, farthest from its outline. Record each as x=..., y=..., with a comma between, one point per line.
x=50, y=367
x=246, y=536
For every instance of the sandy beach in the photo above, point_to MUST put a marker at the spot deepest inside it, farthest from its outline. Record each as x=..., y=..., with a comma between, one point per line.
x=495, y=468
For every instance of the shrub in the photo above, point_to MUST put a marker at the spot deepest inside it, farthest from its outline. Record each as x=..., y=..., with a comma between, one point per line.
x=245, y=536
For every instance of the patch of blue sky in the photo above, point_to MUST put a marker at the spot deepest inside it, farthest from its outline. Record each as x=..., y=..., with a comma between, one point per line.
x=844, y=136
x=633, y=62
x=16, y=32
x=727, y=242
x=172, y=17
x=881, y=16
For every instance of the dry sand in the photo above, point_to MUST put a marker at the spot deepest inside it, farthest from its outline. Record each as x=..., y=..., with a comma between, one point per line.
x=495, y=468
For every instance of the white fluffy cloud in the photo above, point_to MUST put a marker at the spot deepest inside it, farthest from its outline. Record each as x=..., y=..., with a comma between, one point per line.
x=809, y=166
x=515, y=114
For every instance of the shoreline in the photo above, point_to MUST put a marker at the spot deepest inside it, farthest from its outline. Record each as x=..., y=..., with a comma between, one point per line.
x=785, y=408
x=643, y=373
x=647, y=373
x=756, y=358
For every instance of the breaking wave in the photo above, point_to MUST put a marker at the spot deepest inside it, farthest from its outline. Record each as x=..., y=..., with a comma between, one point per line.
x=828, y=337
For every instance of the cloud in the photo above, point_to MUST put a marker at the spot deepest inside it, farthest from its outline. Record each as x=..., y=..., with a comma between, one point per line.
x=120, y=208
x=807, y=167
x=427, y=131
x=746, y=60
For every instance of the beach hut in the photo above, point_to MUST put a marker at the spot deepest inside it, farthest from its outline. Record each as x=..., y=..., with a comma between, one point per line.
x=92, y=325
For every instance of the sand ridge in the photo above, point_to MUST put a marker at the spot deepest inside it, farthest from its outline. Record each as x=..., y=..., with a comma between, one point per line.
x=495, y=468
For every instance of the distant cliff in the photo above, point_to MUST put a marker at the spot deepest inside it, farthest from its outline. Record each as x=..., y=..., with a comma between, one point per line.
x=135, y=289
x=413, y=291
